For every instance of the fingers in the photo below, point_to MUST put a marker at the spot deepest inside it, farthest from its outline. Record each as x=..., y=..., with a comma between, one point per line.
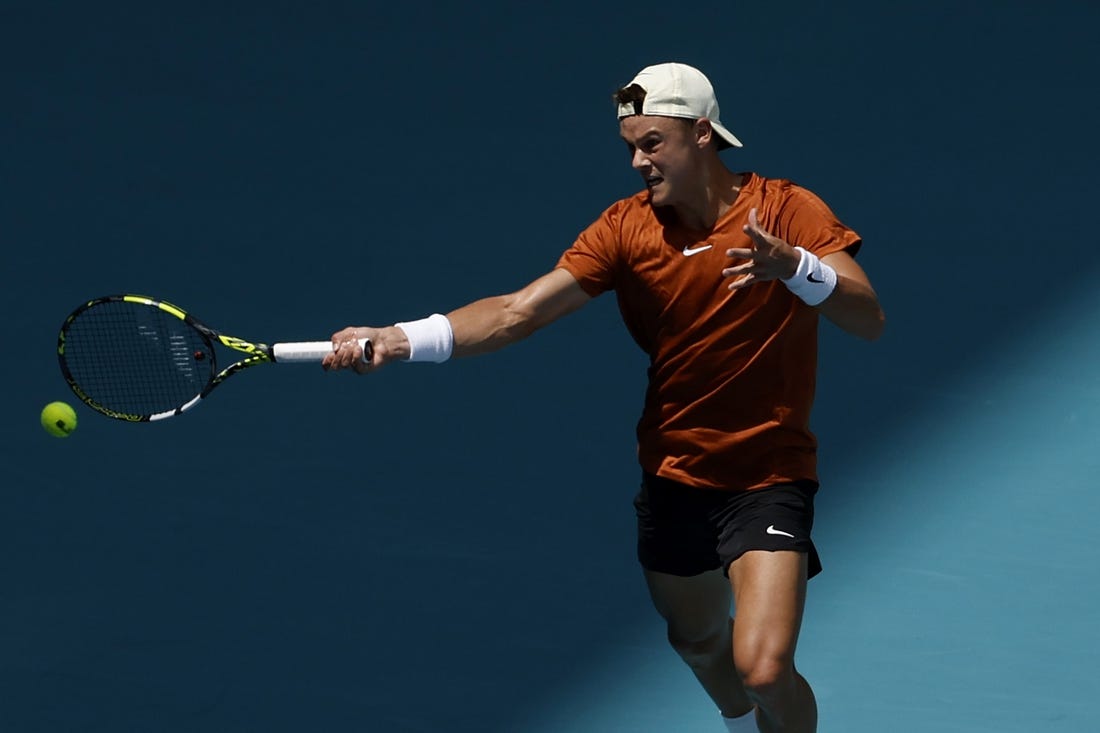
x=767, y=259
x=744, y=275
x=752, y=258
x=741, y=283
x=343, y=356
x=754, y=230
x=347, y=353
x=736, y=253
x=344, y=335
x=754, y=221
x=741, y=269
x=363, y=356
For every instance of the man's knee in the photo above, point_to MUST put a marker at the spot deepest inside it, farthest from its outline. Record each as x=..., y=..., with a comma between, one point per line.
x=699, y=648
x=765, y=677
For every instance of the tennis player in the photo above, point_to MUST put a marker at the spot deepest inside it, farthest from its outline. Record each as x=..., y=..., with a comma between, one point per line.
x=720, y=278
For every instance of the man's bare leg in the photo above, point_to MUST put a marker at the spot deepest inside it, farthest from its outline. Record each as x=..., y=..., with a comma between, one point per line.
x=769, y=591
x=697, y=612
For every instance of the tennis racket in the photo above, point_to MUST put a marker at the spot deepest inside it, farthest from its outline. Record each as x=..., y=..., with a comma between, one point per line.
x=140, y=359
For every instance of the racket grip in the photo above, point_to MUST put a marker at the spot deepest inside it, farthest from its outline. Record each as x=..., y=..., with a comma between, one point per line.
x=311, y=351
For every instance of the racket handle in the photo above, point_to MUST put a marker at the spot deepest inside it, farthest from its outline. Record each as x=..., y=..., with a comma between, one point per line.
x=311, y=350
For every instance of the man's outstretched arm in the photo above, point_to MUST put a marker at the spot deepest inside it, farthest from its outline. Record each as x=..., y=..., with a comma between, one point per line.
x=480, y=327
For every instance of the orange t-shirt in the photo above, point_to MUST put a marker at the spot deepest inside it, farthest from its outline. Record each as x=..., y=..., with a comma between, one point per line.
x=732, y=374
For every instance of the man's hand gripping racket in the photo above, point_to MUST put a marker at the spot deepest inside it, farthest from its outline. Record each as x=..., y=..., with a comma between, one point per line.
x=348, y=351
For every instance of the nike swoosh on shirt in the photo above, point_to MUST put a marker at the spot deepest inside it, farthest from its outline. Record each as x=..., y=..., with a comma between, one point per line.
x=772, y=530
x=689, y=251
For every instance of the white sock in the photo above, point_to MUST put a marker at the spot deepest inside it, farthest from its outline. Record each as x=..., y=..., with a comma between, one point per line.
x=745, y=724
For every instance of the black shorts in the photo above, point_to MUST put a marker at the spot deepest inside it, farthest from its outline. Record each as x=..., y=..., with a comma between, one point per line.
x=685, y=531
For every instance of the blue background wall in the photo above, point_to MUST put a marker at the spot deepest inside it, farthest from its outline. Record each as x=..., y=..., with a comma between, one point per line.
x=438, y=548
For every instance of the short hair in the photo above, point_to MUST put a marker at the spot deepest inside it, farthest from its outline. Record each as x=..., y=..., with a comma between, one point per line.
x=632, y=94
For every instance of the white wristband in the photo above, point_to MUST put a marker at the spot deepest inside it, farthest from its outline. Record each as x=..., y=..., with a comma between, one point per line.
x=430, y=339
x=813, y=281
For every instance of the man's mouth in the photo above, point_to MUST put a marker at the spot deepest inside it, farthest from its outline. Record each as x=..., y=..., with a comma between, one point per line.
x=653, y=181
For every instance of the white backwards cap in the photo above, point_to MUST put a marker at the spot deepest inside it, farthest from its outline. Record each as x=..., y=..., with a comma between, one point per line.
x=678, y=90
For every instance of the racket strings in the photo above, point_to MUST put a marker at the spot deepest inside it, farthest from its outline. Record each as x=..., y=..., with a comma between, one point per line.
x=136, y=359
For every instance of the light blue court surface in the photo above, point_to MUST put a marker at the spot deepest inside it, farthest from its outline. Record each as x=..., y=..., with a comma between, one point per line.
x=451, y=548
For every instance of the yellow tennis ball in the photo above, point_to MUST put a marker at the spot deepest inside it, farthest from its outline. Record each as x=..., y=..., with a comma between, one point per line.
x=58, y=419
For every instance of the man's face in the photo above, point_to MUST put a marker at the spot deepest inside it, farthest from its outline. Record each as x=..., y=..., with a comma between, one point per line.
x=667, y=152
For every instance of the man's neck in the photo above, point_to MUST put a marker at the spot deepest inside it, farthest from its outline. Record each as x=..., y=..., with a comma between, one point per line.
x=714, y=200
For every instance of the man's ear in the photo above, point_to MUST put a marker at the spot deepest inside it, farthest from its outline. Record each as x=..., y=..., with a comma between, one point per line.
x=704, y=132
